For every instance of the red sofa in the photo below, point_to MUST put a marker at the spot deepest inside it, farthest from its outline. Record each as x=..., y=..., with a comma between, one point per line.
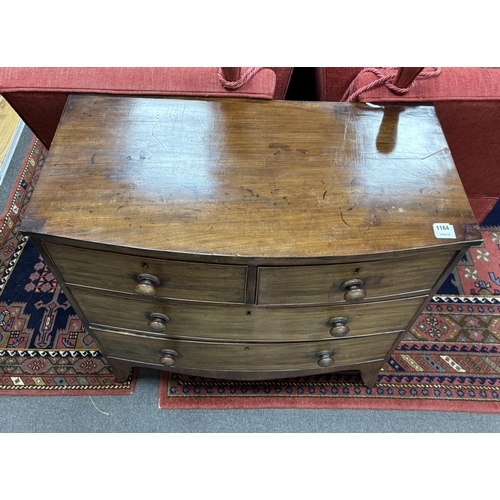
x=38, y=95
x=467, y=102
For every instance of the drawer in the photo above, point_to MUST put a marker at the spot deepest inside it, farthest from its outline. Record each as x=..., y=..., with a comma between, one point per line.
x=168, y=279
x=414, y=273
x=197, y=356
x=233, y=323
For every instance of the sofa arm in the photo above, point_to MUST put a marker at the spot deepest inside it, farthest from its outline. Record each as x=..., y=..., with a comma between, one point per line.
x=39, y=95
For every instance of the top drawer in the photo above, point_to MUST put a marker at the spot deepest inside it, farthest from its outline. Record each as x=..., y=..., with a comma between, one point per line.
x=328, y=283
x=159, y=278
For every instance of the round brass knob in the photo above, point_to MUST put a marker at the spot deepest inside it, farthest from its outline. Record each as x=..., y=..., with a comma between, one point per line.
x=158, y=322
x=168, y=358
x=325, y=359
x=146, y=285
x=354, y=290
x=339, y=327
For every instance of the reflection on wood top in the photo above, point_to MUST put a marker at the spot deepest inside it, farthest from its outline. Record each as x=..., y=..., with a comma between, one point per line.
x=263, y=179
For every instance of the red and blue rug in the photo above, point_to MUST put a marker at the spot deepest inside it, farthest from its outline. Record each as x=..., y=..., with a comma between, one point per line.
x=44, y=348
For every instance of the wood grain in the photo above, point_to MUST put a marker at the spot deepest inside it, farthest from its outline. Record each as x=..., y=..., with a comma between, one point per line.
x=178, y=280
x=265, y=180
x=210, y=322
x=246, y=359
x=415, y=272
x=9, y=121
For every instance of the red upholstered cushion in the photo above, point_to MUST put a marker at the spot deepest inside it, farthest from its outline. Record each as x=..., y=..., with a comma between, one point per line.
x=133, y=81
x=38, y=95
x=453, y=84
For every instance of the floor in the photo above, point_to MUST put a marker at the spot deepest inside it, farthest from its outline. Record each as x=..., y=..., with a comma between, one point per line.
x=139, y=413
x=9, y=121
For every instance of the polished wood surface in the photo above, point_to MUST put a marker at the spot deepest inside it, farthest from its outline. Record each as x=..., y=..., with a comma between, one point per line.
x=245, y=360
x=267, y=180
x=179, y=280
x=248, y=239
x=203, y=321
x=414, y=272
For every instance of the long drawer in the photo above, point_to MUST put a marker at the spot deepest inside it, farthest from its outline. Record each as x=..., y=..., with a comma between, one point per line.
x=413, y=273
x=233, y=323
x=174, y=279
x=242, y=357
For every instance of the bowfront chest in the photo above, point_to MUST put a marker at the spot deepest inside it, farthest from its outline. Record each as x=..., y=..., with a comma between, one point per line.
x=248, y=239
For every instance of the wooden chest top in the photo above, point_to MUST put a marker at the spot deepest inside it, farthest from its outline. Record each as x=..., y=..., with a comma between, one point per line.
x=257, y=179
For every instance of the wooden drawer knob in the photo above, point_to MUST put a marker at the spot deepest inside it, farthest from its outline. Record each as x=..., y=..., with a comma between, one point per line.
x=146, y=285
x=158, y=322
x=168, y=357
x=354, y=290
x=325, y=359
x=339, y=327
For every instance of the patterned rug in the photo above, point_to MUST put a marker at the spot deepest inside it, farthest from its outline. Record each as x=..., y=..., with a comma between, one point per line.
x=10, y=220
x=448, y=361
x=44, y=348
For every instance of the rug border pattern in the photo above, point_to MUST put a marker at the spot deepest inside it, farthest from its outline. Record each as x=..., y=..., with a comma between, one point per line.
x=33, y=389
x=12, y=263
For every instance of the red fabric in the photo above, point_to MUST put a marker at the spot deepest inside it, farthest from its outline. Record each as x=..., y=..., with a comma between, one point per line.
x=38, y=95
x=453, y=84
x=137, y=81
x=40, y=111
x=472, y=130
x=482, y=206
x=283, y=77
x=389, y=80
x=331, y=83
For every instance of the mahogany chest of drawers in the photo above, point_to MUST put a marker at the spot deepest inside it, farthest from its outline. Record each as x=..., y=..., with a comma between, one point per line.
x=248, y=239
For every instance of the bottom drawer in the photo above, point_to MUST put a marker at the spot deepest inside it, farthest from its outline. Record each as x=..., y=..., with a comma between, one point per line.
x=198, y=357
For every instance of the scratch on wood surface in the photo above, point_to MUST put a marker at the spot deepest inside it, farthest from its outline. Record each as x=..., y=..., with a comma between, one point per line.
x=409, y=172
x=433, y=154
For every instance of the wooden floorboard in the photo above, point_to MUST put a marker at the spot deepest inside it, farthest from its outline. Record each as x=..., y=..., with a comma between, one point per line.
x=9, y=121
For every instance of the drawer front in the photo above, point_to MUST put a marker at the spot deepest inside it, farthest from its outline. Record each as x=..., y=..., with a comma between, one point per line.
x=218, y=322
x=328, y=283
x=240, y=357
x=178, y=280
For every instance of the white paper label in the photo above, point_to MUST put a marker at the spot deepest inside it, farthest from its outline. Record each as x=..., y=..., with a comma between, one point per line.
x=443, y=230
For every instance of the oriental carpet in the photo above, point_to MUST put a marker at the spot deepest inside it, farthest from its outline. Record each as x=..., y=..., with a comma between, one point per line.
x=44, y=348
x=449, y=359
